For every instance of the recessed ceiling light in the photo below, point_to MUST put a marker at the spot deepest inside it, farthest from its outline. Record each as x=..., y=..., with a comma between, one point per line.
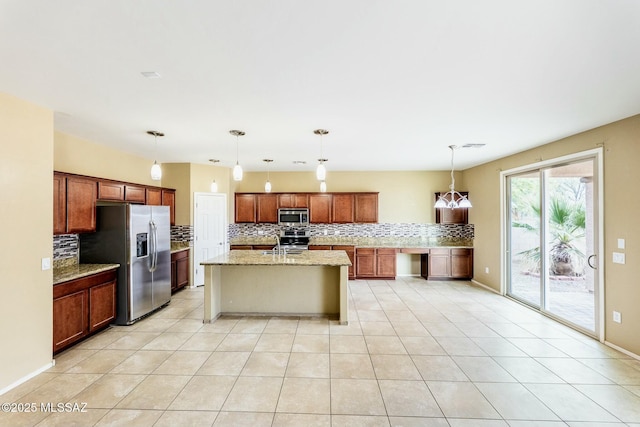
x=473, y=145
x=299, y=162
x=151, y=74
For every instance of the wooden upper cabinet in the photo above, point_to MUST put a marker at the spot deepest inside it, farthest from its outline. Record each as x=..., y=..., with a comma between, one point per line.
x=343, y=207
x=59, y=204
x=169, y=199
x=81, y=204
x=245, y=208
x=135, y=194
x=110, y=191
x=267, y=208
x=293, y=200
x=451, y=216
x=320, y=208
x=366, y=207
x=154, y=196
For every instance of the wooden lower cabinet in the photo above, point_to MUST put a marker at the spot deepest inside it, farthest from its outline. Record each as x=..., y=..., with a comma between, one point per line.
x=179, y=270
x=444, y=263
x=375, y=263
x=350, y=250
x=81, y=307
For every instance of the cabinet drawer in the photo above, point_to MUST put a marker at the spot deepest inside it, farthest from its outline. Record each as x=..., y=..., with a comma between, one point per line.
x=179, y=255
x=365, y=251
x=386, y=251
x=439, y=251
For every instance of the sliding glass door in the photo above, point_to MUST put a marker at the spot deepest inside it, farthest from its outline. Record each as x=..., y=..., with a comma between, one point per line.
x=551, y=228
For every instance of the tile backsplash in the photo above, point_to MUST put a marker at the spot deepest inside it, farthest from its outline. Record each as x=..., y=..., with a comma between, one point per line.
x=66, y=245
x=463, y=231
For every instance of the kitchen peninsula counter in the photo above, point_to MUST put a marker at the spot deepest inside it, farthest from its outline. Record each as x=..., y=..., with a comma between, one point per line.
x=258, y=283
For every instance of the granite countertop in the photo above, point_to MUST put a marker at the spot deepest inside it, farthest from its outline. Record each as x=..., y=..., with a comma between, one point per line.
x=179, y=246
x=367, y=242
x=307, y=258
x=71, y=271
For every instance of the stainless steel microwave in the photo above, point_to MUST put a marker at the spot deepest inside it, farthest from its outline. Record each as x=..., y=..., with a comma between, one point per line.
x=293, y=217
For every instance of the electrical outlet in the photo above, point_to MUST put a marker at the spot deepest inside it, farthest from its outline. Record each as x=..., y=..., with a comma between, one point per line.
x=617, y=317
x=486, y=270
x=46, y=264
x=325, y=231
x=618, y=258
x=621, y=243
x=260, y=232
x=337, y=232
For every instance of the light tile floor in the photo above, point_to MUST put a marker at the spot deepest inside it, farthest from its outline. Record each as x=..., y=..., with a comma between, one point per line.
x=416, y=353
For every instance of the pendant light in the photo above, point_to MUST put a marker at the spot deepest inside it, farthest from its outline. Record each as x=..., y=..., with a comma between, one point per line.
x=237, y=169
x=156, y=171
x=457, y=200
x=267, y=185
x=214, y=184
x=323, y=186
x=321, y=171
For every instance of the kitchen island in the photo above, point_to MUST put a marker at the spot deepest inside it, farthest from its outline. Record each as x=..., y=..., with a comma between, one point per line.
x=252, y=282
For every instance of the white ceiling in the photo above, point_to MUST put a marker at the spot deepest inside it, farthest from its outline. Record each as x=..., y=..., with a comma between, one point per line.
x=394, y=82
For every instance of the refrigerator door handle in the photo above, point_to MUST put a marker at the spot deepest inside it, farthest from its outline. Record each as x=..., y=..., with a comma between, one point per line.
x=154, y=246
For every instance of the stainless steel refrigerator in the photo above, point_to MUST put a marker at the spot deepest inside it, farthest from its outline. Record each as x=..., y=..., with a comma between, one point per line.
x=138, y=238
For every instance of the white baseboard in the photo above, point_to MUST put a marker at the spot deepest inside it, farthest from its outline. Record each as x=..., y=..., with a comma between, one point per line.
x=482, y=285
x=27, y=377
x=622, y=350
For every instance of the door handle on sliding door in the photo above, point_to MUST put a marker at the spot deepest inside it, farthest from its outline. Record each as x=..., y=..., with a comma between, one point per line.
x=589, y=261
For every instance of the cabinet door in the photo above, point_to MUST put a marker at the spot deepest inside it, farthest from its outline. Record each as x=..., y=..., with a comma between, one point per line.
x=241, y=247
x=293, y=200
x=169, y=199
x=320, y=208
x=365, y=262
x=366, y=207
x=351, y=253
x=386, y=262
x=154, y=196
x=70, y=319
x=102, y=305
x=439, y=263
x=343, y=208
x=182, y=272
x=319, y=247
x=113, y=191
x=59, y=204
x=267, y=208
x=81, y=204
x=245, y=207
x=462, y=263
x=134, y=194
x=174, y=278
x=452, y=216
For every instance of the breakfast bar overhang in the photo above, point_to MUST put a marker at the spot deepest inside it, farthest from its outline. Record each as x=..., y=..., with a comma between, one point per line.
x=250, y=282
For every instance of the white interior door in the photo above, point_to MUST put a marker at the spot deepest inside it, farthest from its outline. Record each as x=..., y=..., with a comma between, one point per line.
x=210, y=230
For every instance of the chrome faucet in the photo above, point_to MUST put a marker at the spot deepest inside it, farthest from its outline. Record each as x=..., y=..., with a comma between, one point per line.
x=277, y=243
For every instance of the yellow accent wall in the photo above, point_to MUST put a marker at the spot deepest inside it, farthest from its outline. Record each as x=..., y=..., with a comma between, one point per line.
x=26, y=171
x=621, y=143
x=82, y=157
